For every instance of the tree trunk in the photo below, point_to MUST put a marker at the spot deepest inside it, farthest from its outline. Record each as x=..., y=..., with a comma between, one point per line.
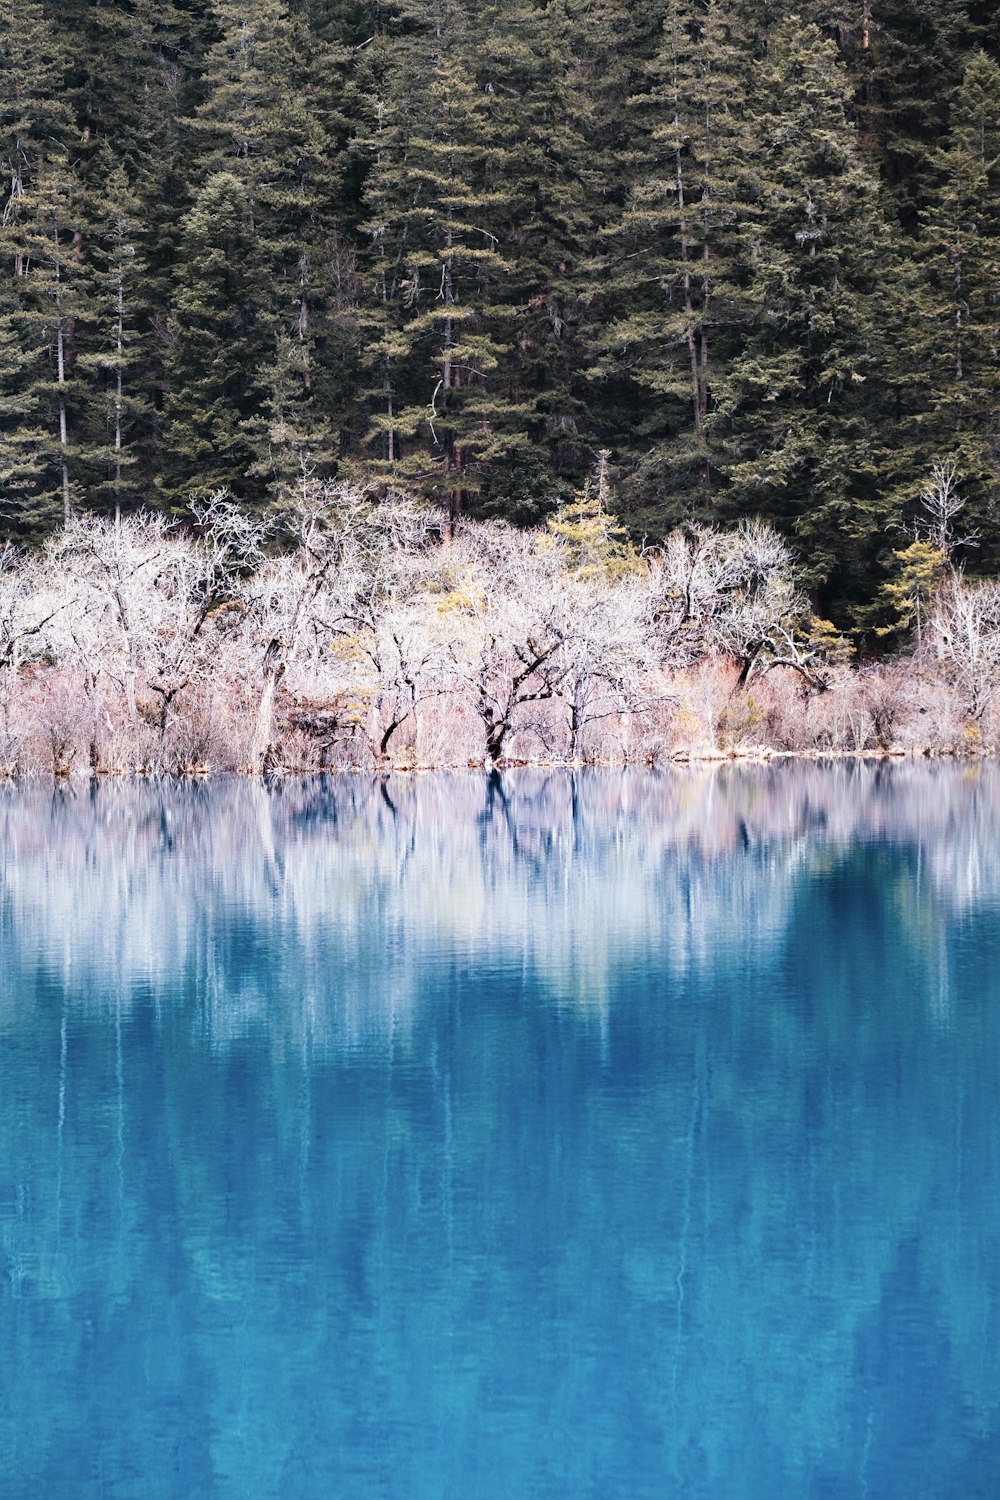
x=264, y=726
x=61, y=377
x=119, y=347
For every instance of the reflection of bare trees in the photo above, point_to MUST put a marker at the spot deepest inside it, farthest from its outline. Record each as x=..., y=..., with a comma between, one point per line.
x=310, y=910
x=678, y=1056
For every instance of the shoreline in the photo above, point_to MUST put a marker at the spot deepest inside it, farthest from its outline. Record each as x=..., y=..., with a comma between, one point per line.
x=763, y=757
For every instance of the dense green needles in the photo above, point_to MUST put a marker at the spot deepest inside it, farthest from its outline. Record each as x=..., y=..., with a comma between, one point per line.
x=459, y=247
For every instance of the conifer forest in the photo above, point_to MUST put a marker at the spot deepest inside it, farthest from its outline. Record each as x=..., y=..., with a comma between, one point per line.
x=645, y=282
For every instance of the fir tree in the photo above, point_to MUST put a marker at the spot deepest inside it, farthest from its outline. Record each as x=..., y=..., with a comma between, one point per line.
x=266, y=140
x=118, y=408
x=914, y=58
x=35, y=123
x=215, y=348
x=804, y=398
x=437, y=266
x=950, y=378
x=57, y=287
x=675, y=255
x=539, y=115
x=386, y=359
x=291, y=437
x=596, y=545
x=23, y=443
x=34, y=117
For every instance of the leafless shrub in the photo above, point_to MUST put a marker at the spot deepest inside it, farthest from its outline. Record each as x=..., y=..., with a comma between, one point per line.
x=349, y=632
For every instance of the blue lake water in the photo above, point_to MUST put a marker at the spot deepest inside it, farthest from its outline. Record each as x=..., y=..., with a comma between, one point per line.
x=613, y=1135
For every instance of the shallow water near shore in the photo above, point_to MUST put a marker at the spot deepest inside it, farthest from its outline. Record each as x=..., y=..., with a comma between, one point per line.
x=612, y=1134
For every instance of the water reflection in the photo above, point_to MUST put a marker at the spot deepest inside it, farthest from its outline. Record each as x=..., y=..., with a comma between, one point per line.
x=599, y=1135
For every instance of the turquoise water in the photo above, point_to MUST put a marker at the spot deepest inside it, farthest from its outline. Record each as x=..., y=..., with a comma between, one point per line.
x=600, y=1136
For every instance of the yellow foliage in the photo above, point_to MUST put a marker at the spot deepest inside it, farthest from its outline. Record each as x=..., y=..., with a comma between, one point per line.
x=739, y=721
x=826, y=639
x=595, y=542
x=351, y=648
x=917, y=573
x=686, y=726
x=469, y=601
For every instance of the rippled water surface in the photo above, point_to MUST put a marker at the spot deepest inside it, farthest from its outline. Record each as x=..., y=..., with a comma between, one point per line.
x=599, y=1136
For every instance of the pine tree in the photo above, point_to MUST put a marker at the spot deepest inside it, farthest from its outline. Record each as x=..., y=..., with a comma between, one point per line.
x=435, y=200
x=215, y=347
x=950, y=376
x=676, y=257
x=539, y=115
x=806, y=396
x=118, y=412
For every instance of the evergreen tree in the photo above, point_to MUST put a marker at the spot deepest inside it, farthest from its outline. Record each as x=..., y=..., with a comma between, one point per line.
x=464, y=244
x=903, y=77
x=615, y=40
x=291, y=437
x=539, y=114
x=437, y=186
x=950, y=377
x=215, y=347
x=595, y=544
x=56, y=302
x=23, y=443
x=132, y=82
x=34, y=117
x=266, y=149
x=390, y=94
x=35, y=123
x=806, y=396
x=676, y=258
x=118, y=408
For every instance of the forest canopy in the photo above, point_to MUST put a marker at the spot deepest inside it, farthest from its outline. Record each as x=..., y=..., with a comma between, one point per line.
x=456, y=248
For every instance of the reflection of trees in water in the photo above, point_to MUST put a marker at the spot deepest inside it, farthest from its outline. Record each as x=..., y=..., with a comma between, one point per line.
x=301, y=908
x=376, y=1003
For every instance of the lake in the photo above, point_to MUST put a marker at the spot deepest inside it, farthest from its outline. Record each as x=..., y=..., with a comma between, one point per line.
x=543, y=1135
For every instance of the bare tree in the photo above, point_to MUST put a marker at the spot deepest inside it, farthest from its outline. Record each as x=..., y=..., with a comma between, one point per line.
x=607, y=655
x=283, y=596
x=113, y=571
x=941, y=504
x=965, y=637
x=30, y=601
x=512, y=627
x=735, y=592
x=381, y=618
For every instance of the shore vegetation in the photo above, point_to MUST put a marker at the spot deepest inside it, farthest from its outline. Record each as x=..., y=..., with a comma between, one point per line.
x=358, y=631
